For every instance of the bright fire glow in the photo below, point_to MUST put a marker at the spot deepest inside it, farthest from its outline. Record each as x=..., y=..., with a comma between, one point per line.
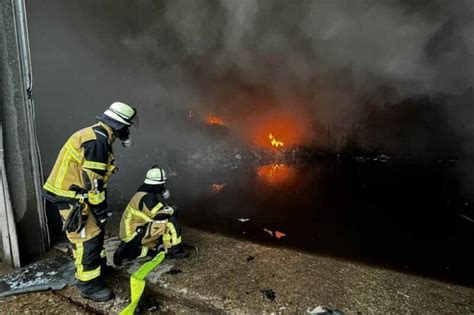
x=284, y=131
x=276, y=173
x=217, y=187
x=275, y=143
x=215, y=120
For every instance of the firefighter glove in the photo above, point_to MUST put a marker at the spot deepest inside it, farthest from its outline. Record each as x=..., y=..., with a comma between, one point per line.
x=101, y=212
x=76, y=219
x=168, y=210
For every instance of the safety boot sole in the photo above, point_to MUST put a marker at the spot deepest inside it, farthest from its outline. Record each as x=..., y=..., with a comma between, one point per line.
x=99, y=298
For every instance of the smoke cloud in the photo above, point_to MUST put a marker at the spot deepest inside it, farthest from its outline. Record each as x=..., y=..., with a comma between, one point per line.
x=397, y=72
x=327, y=57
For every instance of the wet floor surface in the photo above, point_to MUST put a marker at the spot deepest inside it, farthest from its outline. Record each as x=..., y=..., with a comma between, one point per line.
x=406, y=214
x=397, y=214
x=391, y=213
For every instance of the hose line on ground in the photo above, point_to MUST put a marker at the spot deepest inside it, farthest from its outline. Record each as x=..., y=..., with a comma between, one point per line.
x=137, y=282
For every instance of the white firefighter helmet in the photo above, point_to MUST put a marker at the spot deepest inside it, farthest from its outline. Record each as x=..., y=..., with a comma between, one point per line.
x=121, y=112
x=156, y=176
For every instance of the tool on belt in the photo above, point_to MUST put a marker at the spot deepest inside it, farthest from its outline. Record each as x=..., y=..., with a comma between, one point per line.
x=76, y=219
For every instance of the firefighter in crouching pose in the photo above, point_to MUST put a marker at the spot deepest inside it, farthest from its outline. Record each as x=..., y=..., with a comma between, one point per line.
x=77, y=187
x=148, y=224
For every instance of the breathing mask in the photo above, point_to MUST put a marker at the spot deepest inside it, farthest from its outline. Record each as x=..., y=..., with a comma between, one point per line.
x=162, y=191
x=124, y=136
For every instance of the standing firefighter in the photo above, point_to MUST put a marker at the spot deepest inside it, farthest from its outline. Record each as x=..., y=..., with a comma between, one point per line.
x=77, y=187
x=148, y=224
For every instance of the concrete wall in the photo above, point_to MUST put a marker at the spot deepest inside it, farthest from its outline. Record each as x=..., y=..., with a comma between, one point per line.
x=18, y=140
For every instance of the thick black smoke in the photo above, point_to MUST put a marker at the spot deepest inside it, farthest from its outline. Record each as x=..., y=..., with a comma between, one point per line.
x=394, y=75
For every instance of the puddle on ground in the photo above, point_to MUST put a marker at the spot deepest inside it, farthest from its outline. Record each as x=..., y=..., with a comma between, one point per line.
x=397, y=214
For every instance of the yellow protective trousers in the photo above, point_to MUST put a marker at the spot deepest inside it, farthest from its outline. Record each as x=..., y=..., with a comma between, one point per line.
x=154, y=231
x=88, y=250
x=172, y=236
x=148, y=237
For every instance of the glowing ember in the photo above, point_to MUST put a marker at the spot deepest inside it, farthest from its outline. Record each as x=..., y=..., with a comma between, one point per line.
x=276, y=174
x=217, y=187
x=279, y=234
x=275, y=233
x=215, y=120
x=275, y=143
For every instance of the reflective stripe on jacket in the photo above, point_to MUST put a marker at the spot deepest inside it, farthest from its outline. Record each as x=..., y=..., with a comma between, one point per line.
x=83, y=165
x=135, y=216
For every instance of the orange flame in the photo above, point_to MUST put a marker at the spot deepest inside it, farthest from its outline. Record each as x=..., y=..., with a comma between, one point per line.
x=215, y=120
x=217, y=187
x=276, y=174
x=277, y=132
x=275, y=143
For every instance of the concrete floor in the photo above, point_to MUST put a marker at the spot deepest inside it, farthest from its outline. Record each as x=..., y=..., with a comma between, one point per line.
x=38, y=302
x=221, y=277
x=229, y=275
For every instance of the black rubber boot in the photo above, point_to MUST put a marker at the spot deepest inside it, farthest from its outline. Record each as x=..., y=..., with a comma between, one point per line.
x=127, y=251
x=103, y=295
x=177, y=252
x=118, y=257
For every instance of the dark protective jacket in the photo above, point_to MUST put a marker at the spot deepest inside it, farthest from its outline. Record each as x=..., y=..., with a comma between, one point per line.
x=83, y=167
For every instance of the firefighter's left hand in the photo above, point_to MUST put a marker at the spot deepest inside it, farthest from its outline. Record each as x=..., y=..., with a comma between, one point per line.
x=168, y=210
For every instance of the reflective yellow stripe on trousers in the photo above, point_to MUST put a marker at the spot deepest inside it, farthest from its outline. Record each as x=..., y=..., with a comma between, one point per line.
x=175, y=240
x=144, y=252
x=80, y=273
